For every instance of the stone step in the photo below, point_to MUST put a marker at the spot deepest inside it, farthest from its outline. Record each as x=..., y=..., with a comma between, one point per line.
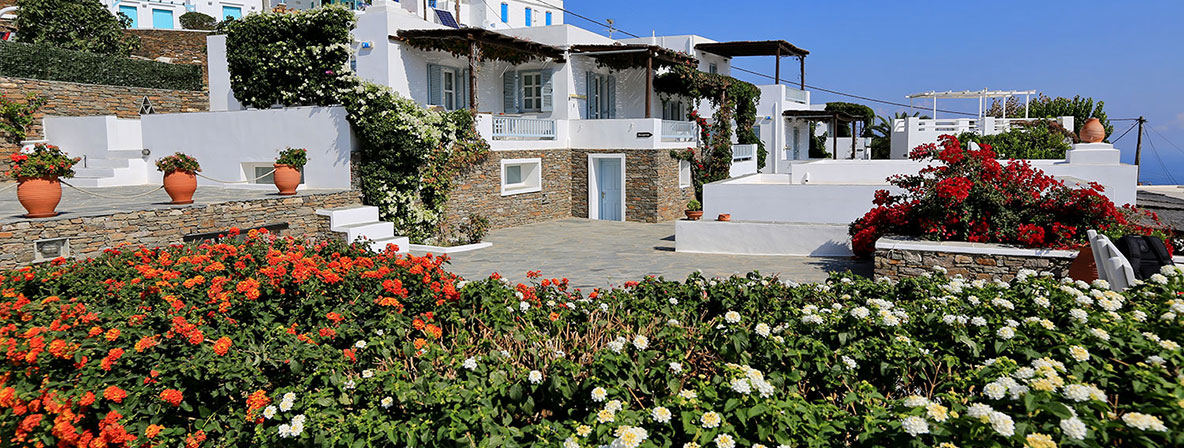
x=371, y=230
x=402, y=242
x=125, y=154
x=93, y=172
x=106, y=163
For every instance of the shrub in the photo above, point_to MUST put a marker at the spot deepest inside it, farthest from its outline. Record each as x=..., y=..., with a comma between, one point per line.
x=1080, y=108
x=82, y=25
x=42, y=161
x=295, y=157
x=16, y=117
x=194, y=20
x=1037, y=139
x=46, y=62
x=694, y=205
x=275, y=342
x=969, y=196
x=178, y=162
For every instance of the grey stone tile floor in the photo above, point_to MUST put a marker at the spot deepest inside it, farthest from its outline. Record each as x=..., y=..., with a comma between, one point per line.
x=127, y=199
x=593, y=253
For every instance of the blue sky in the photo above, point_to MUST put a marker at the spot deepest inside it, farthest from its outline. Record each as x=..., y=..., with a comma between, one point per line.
x=1126, y=54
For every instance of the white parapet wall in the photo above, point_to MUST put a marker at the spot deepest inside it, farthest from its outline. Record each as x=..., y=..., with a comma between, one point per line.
x=230, y=145
x=771, y=197
x=762, y=238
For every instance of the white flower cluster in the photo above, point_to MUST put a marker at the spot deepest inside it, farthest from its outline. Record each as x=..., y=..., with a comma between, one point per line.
x=1144, y=422
x=629, y=437
x=752, y=379
x=294, y=429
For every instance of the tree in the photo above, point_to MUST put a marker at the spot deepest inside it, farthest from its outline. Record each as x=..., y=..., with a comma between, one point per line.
x=194, y=20
x=864, y=113
x=881, y=133
x=1080, y=108
x=83, y=25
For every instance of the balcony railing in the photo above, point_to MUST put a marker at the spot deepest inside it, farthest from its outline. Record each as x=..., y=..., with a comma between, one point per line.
x=743, y=152
x=797, y=96
x=508, y=128
x=678, y=131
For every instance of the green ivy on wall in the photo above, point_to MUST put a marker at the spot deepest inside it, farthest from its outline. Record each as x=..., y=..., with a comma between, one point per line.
x=411, y=155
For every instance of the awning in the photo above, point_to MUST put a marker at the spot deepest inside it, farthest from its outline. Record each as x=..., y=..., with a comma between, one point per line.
x=489, y=44
x=752, y=48
x=633, y=55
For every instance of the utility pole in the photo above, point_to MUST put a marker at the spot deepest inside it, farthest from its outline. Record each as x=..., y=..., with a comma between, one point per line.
x=1139, y=148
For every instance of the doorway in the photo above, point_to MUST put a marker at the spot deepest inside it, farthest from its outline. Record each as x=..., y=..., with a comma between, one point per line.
x=606, y=187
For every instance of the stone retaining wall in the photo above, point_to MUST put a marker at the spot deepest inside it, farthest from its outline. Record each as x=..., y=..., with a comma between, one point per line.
x=899, y=258
x=651, y=184
x=478, y=191
x=182, y=46
x=89, y=235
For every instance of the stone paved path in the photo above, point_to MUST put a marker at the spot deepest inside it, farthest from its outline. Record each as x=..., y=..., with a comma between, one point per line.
x=602, y=253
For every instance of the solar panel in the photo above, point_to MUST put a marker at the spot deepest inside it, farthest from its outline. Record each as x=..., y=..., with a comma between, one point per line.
x=446, y=18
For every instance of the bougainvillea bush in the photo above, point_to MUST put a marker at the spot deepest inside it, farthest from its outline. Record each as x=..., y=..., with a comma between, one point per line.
x=968, y=195
x=276, y=342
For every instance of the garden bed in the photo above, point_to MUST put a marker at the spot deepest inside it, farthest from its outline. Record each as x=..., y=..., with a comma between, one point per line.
x=898, y=258
x=279, y=342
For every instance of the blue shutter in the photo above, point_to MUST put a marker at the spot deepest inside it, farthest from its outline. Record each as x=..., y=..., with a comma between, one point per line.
x=528, y=16
x=162, y=19
x=505, y=13
x=548, y=18
x=464, y=89
x=435, y=86
x=132, y=13
x=232, y=12
x=611, y=103
x=548, y=89
x=509, y=93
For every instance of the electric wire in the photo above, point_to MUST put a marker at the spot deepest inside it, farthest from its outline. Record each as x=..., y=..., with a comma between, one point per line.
x=1161, y=136
x=1123, y=134
x=1162, y=166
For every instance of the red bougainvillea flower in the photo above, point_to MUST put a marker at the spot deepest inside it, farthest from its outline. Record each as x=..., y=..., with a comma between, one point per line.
x=222, y=346
x=171, y=396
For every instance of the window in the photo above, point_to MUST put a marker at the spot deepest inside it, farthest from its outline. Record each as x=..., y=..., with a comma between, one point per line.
x=262, y=173
x=713, y=68
x=528, y=17
x=505, y=13
x=532, y=91
x=548, y=15
x=796, y=144
x=162, y=19
x=522, y=176
x=132, y=13
x=673, y=110
x=232, y=12
x=601, y=92
x=684, y=174
x=448, y=87
x=432, y=3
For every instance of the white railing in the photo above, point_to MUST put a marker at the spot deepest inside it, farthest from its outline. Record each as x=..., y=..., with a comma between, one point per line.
x=797, y=96
x=908, y=133
x=523, y=128
x=743, y=152
x=678, y=131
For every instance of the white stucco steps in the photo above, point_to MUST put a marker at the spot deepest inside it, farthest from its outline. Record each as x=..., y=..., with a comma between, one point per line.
x=117, y=168
x=363, y=222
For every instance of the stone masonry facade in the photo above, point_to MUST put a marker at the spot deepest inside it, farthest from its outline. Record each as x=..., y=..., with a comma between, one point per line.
x=898, y=264
x=478, y=191
x=70, y=99
x=652, y=193
x=182, y=46
x=89, y=235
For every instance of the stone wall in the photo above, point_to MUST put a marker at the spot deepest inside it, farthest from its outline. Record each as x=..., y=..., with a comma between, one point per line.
x=89, y=235
x=898, y=258
x=651, y=184
x=73, y=100
x=478, y=191
x=182, y=46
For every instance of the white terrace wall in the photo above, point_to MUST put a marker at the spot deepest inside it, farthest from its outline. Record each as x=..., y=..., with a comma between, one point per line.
x=230, y=144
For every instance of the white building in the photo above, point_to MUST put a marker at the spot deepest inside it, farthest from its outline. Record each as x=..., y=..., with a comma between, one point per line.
x=488, y=14
x=166, y=14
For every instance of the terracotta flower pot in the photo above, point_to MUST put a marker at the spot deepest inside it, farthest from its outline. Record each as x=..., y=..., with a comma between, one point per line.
x=39, y=196
x=180, y=186
x=693, y=215
x=1092, y=131
x=724, y=217
x=286, y=178
x=1084, y=267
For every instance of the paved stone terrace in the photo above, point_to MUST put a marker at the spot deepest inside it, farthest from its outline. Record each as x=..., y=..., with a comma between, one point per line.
x=76, y=204
x=602, y=253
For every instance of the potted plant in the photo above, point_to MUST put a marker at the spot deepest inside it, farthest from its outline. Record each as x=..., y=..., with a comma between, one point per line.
x=180, y=176
x=724, y=217
x=37, y=171
x=694, y=210
x=287, y=169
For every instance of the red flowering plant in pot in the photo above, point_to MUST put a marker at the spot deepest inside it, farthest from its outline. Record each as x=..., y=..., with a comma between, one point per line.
x=287, y=169
x=968, y=195
x=180, y=176
x=38, y=170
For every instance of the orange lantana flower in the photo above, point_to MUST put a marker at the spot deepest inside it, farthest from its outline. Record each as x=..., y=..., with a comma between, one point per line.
x=222, y=345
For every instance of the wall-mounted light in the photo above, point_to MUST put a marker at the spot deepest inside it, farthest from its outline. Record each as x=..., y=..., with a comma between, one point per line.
x=145, y=152
x=366, y=45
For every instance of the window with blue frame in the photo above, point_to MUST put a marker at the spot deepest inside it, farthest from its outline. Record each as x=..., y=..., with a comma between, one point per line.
x=528, y=16
x=132, y=13
x=162, y=19
x=232, y=12
x=432, y=3
x=505, y=13
x=548, y=18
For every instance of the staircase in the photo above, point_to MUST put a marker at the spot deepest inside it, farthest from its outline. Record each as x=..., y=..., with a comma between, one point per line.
x=117, y=168
x=363, y=222
x=111, y=149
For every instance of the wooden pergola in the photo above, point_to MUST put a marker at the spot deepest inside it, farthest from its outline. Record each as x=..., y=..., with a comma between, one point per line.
x=651, y=57
x=776, y=48
x=834, y=118
x=479, y=44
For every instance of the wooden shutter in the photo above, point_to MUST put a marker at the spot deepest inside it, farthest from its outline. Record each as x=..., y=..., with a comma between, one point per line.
x=548, y=90
x=463, y=103
x=590, y=88
x=509, y=93
x=611, y=100
x=435, y=85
